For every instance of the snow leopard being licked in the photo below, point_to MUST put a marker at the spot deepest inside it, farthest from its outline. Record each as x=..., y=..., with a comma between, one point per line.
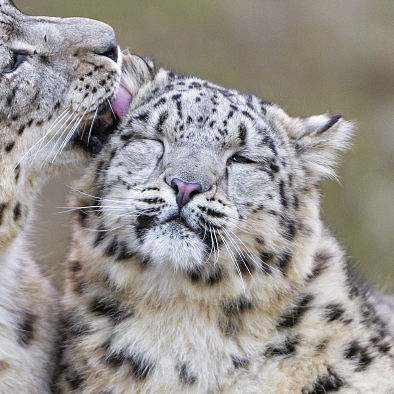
x=52, y=83
x=199, y=263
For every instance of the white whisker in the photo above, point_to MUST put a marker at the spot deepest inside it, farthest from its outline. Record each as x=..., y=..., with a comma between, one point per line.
x=239, y=250
x=253, y=256
x=69, y=135
x=91, y=126
x=40, y=141
x=212, y=245
x=233, y=259
x=112, y=110
x=62, y=130
x=92, y=230
x=217, y=244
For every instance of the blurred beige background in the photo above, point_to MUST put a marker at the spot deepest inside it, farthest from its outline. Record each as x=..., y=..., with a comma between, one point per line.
x=310, y=56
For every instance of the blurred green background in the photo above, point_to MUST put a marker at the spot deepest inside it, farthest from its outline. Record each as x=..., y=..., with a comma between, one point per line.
x=310, y=56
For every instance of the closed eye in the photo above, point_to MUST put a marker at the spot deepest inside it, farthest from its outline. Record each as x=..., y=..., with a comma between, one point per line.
x=18, y=58
x=237, y=158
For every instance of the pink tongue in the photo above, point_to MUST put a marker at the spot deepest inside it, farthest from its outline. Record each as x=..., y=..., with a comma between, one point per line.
x=122, y=101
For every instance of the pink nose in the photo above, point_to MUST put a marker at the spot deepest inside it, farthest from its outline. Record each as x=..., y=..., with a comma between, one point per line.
x=184, y=191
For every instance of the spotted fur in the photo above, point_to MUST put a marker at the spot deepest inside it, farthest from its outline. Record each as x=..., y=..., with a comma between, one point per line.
x=199, y=263
x=55, y=75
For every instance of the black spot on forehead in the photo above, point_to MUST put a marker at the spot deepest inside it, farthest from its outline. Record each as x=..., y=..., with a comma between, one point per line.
x=160, y=123
x=160, y=102
x=195, y=85
x=242, y=133
x=268, y=141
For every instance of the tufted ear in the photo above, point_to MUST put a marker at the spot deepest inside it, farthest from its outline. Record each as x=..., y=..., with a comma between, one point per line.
x=136, y=72
x=318, y=140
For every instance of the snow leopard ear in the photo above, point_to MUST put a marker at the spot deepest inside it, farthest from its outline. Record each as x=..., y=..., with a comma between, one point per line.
x=318, y=141
x=136, y=71
x=7, y=3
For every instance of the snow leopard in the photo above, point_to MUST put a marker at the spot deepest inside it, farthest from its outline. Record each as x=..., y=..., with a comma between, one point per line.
x=199, y=262
x=56, y=76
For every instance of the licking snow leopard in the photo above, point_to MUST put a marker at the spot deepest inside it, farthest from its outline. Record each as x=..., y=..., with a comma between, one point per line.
x=55, y=76
x=199, y=262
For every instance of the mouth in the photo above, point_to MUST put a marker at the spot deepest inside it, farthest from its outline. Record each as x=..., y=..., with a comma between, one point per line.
x=177, y=222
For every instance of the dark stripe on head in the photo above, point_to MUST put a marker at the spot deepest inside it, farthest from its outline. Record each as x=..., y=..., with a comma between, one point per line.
x=242, y=133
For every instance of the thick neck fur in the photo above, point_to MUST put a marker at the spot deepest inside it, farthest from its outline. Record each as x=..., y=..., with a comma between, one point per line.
x=217, y=330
